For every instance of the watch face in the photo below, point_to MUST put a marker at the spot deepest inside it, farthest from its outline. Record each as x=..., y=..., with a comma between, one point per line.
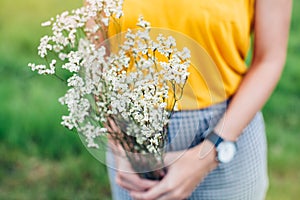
x=226, y=151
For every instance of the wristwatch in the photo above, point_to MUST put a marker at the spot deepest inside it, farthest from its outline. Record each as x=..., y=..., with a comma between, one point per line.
x=226, y=150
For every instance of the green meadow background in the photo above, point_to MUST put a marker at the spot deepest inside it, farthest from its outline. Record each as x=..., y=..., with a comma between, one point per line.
x=39, y=159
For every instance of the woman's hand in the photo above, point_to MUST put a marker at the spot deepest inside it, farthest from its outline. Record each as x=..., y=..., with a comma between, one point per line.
x=186, y=170
x=128, y=179
x=183, y=175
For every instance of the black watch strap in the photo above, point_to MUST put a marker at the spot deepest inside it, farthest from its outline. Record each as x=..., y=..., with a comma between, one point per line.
x=214, y=138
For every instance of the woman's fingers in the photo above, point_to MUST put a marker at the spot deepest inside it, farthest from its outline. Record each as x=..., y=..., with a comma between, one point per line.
x=154, y=193
x=128, y=179
x=132, y=182
x=111, y=126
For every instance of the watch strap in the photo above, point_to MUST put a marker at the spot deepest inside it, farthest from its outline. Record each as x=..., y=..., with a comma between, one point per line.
x=214, y=138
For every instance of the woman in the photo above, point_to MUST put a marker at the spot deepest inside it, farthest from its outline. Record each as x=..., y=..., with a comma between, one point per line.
x=223, y=28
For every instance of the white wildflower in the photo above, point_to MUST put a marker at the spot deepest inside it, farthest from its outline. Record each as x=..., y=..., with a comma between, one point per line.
x=185, y=53
x=143, y=23
x=75, y=81
x=68, y=122
x=71, y=67
x=47, y=23
x=44, y=46
x=131, y=84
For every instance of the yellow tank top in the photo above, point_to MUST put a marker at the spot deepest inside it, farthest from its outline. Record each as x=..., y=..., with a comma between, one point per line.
x=217, y=33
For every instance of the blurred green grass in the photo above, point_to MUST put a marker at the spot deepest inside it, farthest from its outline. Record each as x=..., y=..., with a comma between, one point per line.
x=39, y=159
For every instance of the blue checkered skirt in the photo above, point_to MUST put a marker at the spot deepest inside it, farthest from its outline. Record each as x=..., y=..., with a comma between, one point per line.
x=244, y=178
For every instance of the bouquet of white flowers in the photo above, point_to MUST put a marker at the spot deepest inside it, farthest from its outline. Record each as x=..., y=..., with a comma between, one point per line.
x=129, y=80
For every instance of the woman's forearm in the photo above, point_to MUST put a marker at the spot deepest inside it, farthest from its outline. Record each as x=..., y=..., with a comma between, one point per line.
x=271, y=29
x=252, y=94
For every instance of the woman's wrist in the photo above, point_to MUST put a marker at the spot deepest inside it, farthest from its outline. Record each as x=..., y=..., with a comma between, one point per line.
x=206, y=155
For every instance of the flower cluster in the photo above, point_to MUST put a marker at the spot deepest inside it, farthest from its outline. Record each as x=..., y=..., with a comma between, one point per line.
x=68, y=27
x=144, y=74
x=135, y=83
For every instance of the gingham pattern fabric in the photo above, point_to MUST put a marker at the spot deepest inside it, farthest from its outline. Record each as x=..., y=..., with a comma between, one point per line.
x=244, y=178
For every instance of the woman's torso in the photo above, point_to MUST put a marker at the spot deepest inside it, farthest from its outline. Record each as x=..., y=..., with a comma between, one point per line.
x=219, y=28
